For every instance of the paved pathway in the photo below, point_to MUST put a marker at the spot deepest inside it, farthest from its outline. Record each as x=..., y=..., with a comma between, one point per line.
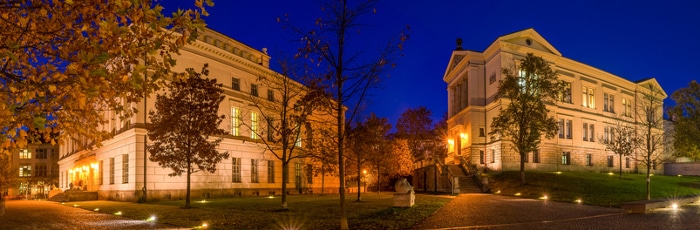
x=485, y=211
x=31, y=214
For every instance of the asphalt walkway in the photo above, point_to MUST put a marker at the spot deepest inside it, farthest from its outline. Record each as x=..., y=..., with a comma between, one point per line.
x=486, y=211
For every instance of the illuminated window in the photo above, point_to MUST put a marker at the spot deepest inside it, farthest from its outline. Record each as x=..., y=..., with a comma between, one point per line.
x=100, y=174
x=626, y=107
x=125, y=168
x=297, y=173
x=569, y=127
x=25, y=170
x=588, y=97
x=235, y=121
x=254, y=125
x=25, y=154
x=566, y=158
x=236, y=170
x=561, y=128
x=111, y=170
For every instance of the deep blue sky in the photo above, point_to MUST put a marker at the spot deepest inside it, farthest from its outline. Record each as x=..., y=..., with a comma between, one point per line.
x=631, y=39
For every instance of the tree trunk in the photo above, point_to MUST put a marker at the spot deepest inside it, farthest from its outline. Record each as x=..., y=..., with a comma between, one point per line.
x=359, y=178
x=522, y=169
x=187, y=198
x=648, y=177
x=285, y=179
x=620, y=166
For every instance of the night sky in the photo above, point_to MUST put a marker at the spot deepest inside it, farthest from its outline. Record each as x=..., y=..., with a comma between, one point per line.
x=631, y=39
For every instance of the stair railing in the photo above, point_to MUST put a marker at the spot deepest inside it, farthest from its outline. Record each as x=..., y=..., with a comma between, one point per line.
x=476, y=176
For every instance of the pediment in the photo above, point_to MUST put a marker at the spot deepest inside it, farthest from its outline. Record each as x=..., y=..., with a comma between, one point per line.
x=529, y=38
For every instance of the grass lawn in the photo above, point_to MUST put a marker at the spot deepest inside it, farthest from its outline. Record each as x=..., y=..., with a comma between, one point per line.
x=600, y=189
x=375, y=211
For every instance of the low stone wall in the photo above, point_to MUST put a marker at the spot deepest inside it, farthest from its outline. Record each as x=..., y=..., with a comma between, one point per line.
x=133, y=196
x=682, y=168
x=72, y=195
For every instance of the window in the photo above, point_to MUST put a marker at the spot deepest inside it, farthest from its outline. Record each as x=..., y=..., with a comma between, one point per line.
x=481, y=157
x=25, y=170
x=608, y=102
x=235, y=121
x=111, y=170
x=589, y=160
x=254, y=125
x=611, y=161
x=566, y=158
x=100, y=174
x=236, y=170
x=561, y=128
x=627, y=162
x=254, y=170
x=270, y=171
x=25, y=154
x=606, y=134
x=493, y=156
x=653, y=165
x=536, y=156
x=270, y=129
x=125, y=168
x=270, y=95
x=526, y=159
x=297, y=173
x=626, y=107
x=309, y=174
x=588, y=97
x=565, y=96
x=41, y=154
x=254, y=90
x=40, y=170
x=588, y=132
x=585, y=131
x=482, y=132
x=236, y=84
x=309, y=134
x=297, y=143
x=568, y=129
x=591, y=137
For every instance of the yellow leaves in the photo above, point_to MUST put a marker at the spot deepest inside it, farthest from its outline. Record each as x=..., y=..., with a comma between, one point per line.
x=52, y=88
x=125, y=78
x=69, y=2
x=43, y=12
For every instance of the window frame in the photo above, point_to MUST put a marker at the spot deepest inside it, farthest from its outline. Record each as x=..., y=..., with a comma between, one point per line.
x=236, y=84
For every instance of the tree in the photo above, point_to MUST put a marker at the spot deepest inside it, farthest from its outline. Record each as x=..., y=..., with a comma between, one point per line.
x=686, y=115
x=367, y=141
x=527, y=89
x=7, y=178
x=289, y=118
x=186, y=117
x=621, y=139
x=401, y=164
x=348, y=75
x=649, y=119
x=416, y=127
x=64, y=63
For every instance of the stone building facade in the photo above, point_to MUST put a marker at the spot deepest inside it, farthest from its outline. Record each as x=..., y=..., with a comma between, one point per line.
x=594, y=101
x=37, y=171
x=119, y=169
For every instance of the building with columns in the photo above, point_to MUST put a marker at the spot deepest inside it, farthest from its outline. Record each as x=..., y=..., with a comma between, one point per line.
x=119, y=169
x=594, y=102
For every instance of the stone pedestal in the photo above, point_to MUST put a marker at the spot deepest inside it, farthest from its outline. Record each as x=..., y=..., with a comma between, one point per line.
x=404, y=199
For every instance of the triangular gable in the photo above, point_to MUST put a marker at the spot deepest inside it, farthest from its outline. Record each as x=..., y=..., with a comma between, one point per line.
x=653, y=82
x=529, y=38
x=456, y=59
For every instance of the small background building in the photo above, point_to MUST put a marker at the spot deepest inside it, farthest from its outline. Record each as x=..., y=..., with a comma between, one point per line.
x=37, y=171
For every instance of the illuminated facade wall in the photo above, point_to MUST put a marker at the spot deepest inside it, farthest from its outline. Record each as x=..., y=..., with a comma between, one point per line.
x=116, y=170
x=597, y=98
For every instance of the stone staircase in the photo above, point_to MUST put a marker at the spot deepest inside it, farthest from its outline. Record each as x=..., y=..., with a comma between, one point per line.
x=60, y=197
x=466, y=182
